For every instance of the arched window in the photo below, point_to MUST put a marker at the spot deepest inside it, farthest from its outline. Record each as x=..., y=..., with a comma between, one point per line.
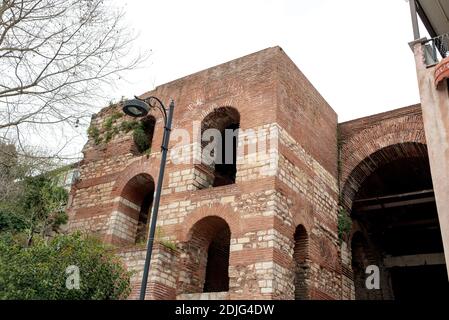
x=300, y=255
x=219, y=131
x=138, y=193
x=207, y=257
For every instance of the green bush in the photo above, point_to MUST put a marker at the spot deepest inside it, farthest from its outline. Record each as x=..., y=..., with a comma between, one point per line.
x=127, y=126
x=139, y=130
x=39, y=271
x=107, y=125
x=94, y=133
x=10, y=220
x=39, y=208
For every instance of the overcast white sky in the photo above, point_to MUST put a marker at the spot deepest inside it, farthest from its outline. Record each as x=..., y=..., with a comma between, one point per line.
x=355, y=52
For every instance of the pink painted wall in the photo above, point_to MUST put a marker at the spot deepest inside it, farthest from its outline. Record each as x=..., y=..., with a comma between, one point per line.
x=435, y=109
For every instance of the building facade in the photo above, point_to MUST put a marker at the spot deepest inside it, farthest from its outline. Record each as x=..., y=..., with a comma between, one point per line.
x=301, y=211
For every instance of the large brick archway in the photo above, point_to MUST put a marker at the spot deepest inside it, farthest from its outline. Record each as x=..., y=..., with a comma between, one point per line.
x=374, y=161
x=366, y=144
x=386, y=185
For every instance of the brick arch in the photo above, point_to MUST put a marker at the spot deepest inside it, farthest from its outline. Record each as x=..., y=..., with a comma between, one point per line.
x=301, y=253
x=208, y=111
x=357, y=149
x=136, y=185
x=143, y=165
x=205, y=242
x=375, y=160
x=302, y=214
x=224, y=212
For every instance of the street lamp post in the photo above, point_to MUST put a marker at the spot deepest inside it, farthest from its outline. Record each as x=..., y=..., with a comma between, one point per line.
x=139, y=108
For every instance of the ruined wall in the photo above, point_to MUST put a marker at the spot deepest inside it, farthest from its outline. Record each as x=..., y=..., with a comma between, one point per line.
x=293, y=183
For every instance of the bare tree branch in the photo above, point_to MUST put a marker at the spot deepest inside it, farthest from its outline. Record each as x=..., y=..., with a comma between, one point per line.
x=55, y=55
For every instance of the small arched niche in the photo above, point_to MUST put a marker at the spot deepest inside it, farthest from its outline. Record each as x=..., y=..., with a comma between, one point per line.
x=300, y=256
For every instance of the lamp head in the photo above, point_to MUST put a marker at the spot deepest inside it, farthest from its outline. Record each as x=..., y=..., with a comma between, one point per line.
x=136, y=108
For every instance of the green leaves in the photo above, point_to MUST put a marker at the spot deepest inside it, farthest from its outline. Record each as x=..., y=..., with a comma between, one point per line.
x=39, y=271
x=94, y=133
x=34, y=266
x=39, y=208
x=141, y=139
x=344, y=224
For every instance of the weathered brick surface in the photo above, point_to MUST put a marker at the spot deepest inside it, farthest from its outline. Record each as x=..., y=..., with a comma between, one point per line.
x=365, y=144
x=362, y=141
x=295, y=183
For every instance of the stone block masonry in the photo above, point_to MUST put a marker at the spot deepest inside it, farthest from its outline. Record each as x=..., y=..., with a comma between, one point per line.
x=269, y=232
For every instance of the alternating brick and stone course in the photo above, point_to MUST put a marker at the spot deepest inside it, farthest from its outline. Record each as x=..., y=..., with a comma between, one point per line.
x=271, y=233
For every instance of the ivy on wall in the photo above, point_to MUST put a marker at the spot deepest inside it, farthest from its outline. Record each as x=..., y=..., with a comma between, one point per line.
x=111, y=128
x=344, y=224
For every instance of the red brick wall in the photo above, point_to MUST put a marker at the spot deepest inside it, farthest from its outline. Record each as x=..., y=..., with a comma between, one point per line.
x=361, y=138
x=264, y=206
x=365, y=144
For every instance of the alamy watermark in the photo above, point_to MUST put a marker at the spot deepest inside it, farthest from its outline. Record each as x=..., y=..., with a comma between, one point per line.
x=372, y=281
x=73, y=277
x=212, y=146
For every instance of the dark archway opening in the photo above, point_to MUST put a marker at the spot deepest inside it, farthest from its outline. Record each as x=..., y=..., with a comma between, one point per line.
x=139, y=191
x=300, y=255
x=144, y=215
x=206, y=257
x=226, y=120
x=217, y=278
x=396, y=211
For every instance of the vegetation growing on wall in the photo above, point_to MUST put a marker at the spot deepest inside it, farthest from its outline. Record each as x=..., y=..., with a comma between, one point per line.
x=344, y=224
x=160, y=238
x=141, y=138
x=111, y=128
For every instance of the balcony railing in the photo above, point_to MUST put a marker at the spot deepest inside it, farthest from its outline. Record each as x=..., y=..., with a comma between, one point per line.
x=436, y=49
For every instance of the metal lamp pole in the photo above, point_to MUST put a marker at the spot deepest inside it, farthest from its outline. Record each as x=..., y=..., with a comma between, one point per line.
x=131, y=107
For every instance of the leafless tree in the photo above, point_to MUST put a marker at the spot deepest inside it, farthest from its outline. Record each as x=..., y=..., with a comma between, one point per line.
x=55, y=57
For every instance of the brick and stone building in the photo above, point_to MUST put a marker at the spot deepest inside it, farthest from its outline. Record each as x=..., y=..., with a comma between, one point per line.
x=271, y=224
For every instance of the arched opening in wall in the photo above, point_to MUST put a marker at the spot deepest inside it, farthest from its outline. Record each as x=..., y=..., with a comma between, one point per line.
x=137, y=200
x=360, y=261
x=300, y=255
x=219, y=132
x=143, y=132
x=207, y=257
x=394, y=206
